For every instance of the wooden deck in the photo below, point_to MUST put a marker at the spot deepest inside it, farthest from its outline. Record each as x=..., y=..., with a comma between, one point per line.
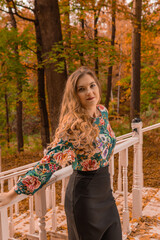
x=148, y=226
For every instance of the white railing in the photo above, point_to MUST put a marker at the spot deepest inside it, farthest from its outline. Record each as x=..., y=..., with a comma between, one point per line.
x=46, y=197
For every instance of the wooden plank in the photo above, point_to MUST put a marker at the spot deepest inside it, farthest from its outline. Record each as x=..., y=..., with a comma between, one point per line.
x=4, y=230
x=55, y=236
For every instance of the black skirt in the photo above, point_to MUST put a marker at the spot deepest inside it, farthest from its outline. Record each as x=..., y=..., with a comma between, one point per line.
x=90, y=207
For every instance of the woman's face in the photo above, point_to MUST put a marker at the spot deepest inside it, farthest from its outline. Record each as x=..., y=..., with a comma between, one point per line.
x=88, y=91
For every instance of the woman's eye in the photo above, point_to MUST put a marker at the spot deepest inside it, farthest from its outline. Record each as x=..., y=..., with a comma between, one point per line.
x=80, y=89
x=83, y=89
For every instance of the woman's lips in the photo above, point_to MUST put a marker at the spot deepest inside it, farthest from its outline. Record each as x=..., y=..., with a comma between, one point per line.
x=90, y=98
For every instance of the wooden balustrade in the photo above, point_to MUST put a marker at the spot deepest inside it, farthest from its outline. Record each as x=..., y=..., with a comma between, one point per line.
x=49, y=192
x=46, y=197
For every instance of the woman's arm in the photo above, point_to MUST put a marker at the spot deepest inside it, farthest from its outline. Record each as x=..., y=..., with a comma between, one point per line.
x=6, y=198
x=60, y=155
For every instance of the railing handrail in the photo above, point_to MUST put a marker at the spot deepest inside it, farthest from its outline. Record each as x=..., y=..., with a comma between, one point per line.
x=124, y=136
x=20, y=171
x=127, y=135
x=126, y=144
x=58, y=175
x=154, y=126
x=120, y=140
x=14, y=174
x=30, y=165
x=65, y=172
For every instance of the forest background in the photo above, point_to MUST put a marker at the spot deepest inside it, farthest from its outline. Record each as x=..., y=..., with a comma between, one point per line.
x=42, y=42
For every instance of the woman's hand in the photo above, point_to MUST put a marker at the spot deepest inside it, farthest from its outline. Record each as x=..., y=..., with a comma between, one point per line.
x=6, y=198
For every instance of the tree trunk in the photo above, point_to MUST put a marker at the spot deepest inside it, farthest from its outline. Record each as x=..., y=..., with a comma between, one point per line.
x=136, y=60
x=45, y=134
x=119, y=77
x=109, y=79
x=19, y=90
x=82, y=36
x=50, y=27
x=7, y=119
x=96, y=43
x=19, y=116
x=67, y=32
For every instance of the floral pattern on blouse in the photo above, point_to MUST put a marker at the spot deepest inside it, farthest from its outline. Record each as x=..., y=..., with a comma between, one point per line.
x=63, y=154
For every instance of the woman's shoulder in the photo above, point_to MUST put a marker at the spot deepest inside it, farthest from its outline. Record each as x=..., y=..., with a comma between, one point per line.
x=102, y=108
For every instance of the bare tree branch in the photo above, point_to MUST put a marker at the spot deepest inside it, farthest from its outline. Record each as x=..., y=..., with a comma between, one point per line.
x=2, y=10
x=28, y=8
x=20, y=16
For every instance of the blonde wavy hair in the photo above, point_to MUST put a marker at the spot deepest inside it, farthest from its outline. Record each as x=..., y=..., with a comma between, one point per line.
x=75, y=125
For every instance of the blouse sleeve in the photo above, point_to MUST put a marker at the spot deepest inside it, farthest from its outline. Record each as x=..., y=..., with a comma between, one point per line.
x=111, y=134
x=60, y=155
x=109, y=130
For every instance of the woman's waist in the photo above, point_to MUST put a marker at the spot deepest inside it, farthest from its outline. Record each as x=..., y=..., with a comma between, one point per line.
x=89, y=165
x=91, y=183
x=100, y=170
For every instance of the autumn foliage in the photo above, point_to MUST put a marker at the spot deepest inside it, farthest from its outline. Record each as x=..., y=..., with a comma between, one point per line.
x=86, y=28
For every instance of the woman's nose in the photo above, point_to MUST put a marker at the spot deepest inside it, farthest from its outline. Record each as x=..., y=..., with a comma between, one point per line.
x=88, y=91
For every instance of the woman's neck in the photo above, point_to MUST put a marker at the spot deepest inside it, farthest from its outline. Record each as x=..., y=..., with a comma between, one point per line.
x=93, y=112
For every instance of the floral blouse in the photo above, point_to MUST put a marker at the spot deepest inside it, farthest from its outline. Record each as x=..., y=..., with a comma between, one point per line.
x=63, y=153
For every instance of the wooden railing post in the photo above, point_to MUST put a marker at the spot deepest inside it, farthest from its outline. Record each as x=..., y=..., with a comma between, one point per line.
x=124, y=162
x=119, y=175
x=40, y=207
x=137, y=170
x=4, y=228
x=111, y=170
x=54, y=215
x=63, y=191
x=48, y=197
x=31, y=219
x=11, y=223
x=2, y=186
x=16, y=204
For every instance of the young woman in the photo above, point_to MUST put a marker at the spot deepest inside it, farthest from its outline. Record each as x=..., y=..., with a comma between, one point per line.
x=84, y=138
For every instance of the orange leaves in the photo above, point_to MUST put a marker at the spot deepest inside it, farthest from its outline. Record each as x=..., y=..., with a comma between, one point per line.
x=10, y=4
x=146, y=229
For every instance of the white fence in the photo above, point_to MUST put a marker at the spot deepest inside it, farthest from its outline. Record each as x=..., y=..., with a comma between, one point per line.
x=46, y=197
